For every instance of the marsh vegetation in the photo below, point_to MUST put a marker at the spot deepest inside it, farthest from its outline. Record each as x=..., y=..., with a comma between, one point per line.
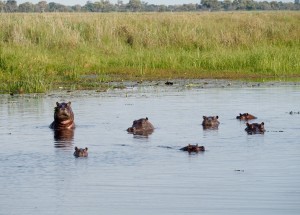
x=40, y=52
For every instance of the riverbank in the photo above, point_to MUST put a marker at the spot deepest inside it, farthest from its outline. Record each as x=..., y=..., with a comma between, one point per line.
x=43, y=52
x=130, y=88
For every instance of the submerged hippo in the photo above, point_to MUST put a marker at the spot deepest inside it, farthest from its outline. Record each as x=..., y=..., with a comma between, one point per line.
x=210, y=122
x=255, y=128
x=193, y=148
x=141, y=127
x=245, y=116
x=63, y=116
x=63, y=135
x=79, y=152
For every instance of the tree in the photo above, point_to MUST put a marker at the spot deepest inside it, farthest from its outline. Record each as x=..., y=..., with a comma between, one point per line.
x=41, y=6
x=239, y=4
x=227, y=5
x=250, y=5
x=135, y=5
x=11, y=6
x=26, y=7
x=76, y=8
x=89, y=6
x=2, y=6
x=211, y=4
x=56, y=7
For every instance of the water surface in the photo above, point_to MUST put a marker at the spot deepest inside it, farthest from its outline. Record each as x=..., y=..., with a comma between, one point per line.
x=126, y=174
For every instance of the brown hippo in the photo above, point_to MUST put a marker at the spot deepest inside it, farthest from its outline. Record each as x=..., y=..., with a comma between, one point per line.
x=63, y=117
x=79, y=152
x=245, y=116
x=255, y=128
x=210, y=122
x=193, y=148
x=63, y=136
x=141, y=127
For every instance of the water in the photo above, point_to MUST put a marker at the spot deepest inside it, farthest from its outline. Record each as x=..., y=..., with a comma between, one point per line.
x=126, y=174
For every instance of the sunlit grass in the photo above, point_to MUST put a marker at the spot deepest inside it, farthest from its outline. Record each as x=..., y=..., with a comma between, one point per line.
x=40, y=52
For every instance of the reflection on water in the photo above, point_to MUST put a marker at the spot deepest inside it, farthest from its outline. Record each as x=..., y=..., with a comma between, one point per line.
x=132, y=174
x=63, y=137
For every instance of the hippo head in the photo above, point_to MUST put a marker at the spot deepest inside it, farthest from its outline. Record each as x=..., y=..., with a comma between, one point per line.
x=193, y=148
x=255, y=128
x=79, y=152
x=141, y=126
x=210, y=121
x=245, y=116
x=63, y=111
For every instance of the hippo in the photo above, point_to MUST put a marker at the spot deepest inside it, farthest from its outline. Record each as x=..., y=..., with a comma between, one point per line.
x=210, y=122
x=141, y=127
x=79, y=152
x=246, y=117
x=63, y=117
x=255, y=128
x=193, y=148
x=63, y=137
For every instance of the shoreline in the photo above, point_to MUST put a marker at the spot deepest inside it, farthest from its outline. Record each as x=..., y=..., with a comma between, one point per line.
x=177, y=84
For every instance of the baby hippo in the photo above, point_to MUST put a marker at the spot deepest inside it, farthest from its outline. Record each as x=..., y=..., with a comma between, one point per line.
x=141, y=127
x=210, y=122
x=193, y=148
x=255, y=128
x=79, y=152
x=245, y=116
x=63, y=117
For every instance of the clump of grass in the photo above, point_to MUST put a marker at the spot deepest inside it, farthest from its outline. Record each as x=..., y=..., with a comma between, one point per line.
x=41, y=52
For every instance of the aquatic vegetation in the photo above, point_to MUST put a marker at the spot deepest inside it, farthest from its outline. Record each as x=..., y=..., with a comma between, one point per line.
x=41, y=52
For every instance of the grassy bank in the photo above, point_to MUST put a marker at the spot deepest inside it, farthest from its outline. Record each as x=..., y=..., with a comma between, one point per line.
x=40, y=52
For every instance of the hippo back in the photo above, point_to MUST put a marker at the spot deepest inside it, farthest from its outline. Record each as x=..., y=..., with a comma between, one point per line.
x=193, y=148
x=245, y=116
x=141, y=127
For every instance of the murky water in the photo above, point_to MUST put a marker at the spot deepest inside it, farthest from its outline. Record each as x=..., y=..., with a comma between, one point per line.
x=126, y=174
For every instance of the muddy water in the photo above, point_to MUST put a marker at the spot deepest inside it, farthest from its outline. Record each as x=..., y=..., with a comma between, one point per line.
x=126, y=174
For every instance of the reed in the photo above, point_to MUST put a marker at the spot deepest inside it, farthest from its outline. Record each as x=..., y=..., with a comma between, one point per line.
x=41, y=52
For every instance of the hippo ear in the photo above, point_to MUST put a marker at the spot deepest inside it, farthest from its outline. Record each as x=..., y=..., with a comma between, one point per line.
x=69, y=104
x=204, y=117
x=247, y=124
x=76, y=149
x=241, y=114
x=262, y=123
x=146, y=118
x=86, y=148
x=217, y=117
x=57, y=104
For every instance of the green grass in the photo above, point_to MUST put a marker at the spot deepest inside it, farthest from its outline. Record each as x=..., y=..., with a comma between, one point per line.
x=41, y=52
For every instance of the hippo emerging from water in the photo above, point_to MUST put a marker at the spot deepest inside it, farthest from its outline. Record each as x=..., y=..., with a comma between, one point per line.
x=63, y=117
x=210, y=122
x=193, y=148
x=255, y=128
x=79, y=152
x=245, y=116
x=141, y=127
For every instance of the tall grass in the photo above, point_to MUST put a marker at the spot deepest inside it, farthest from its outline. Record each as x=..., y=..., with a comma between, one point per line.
x=40, y=52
